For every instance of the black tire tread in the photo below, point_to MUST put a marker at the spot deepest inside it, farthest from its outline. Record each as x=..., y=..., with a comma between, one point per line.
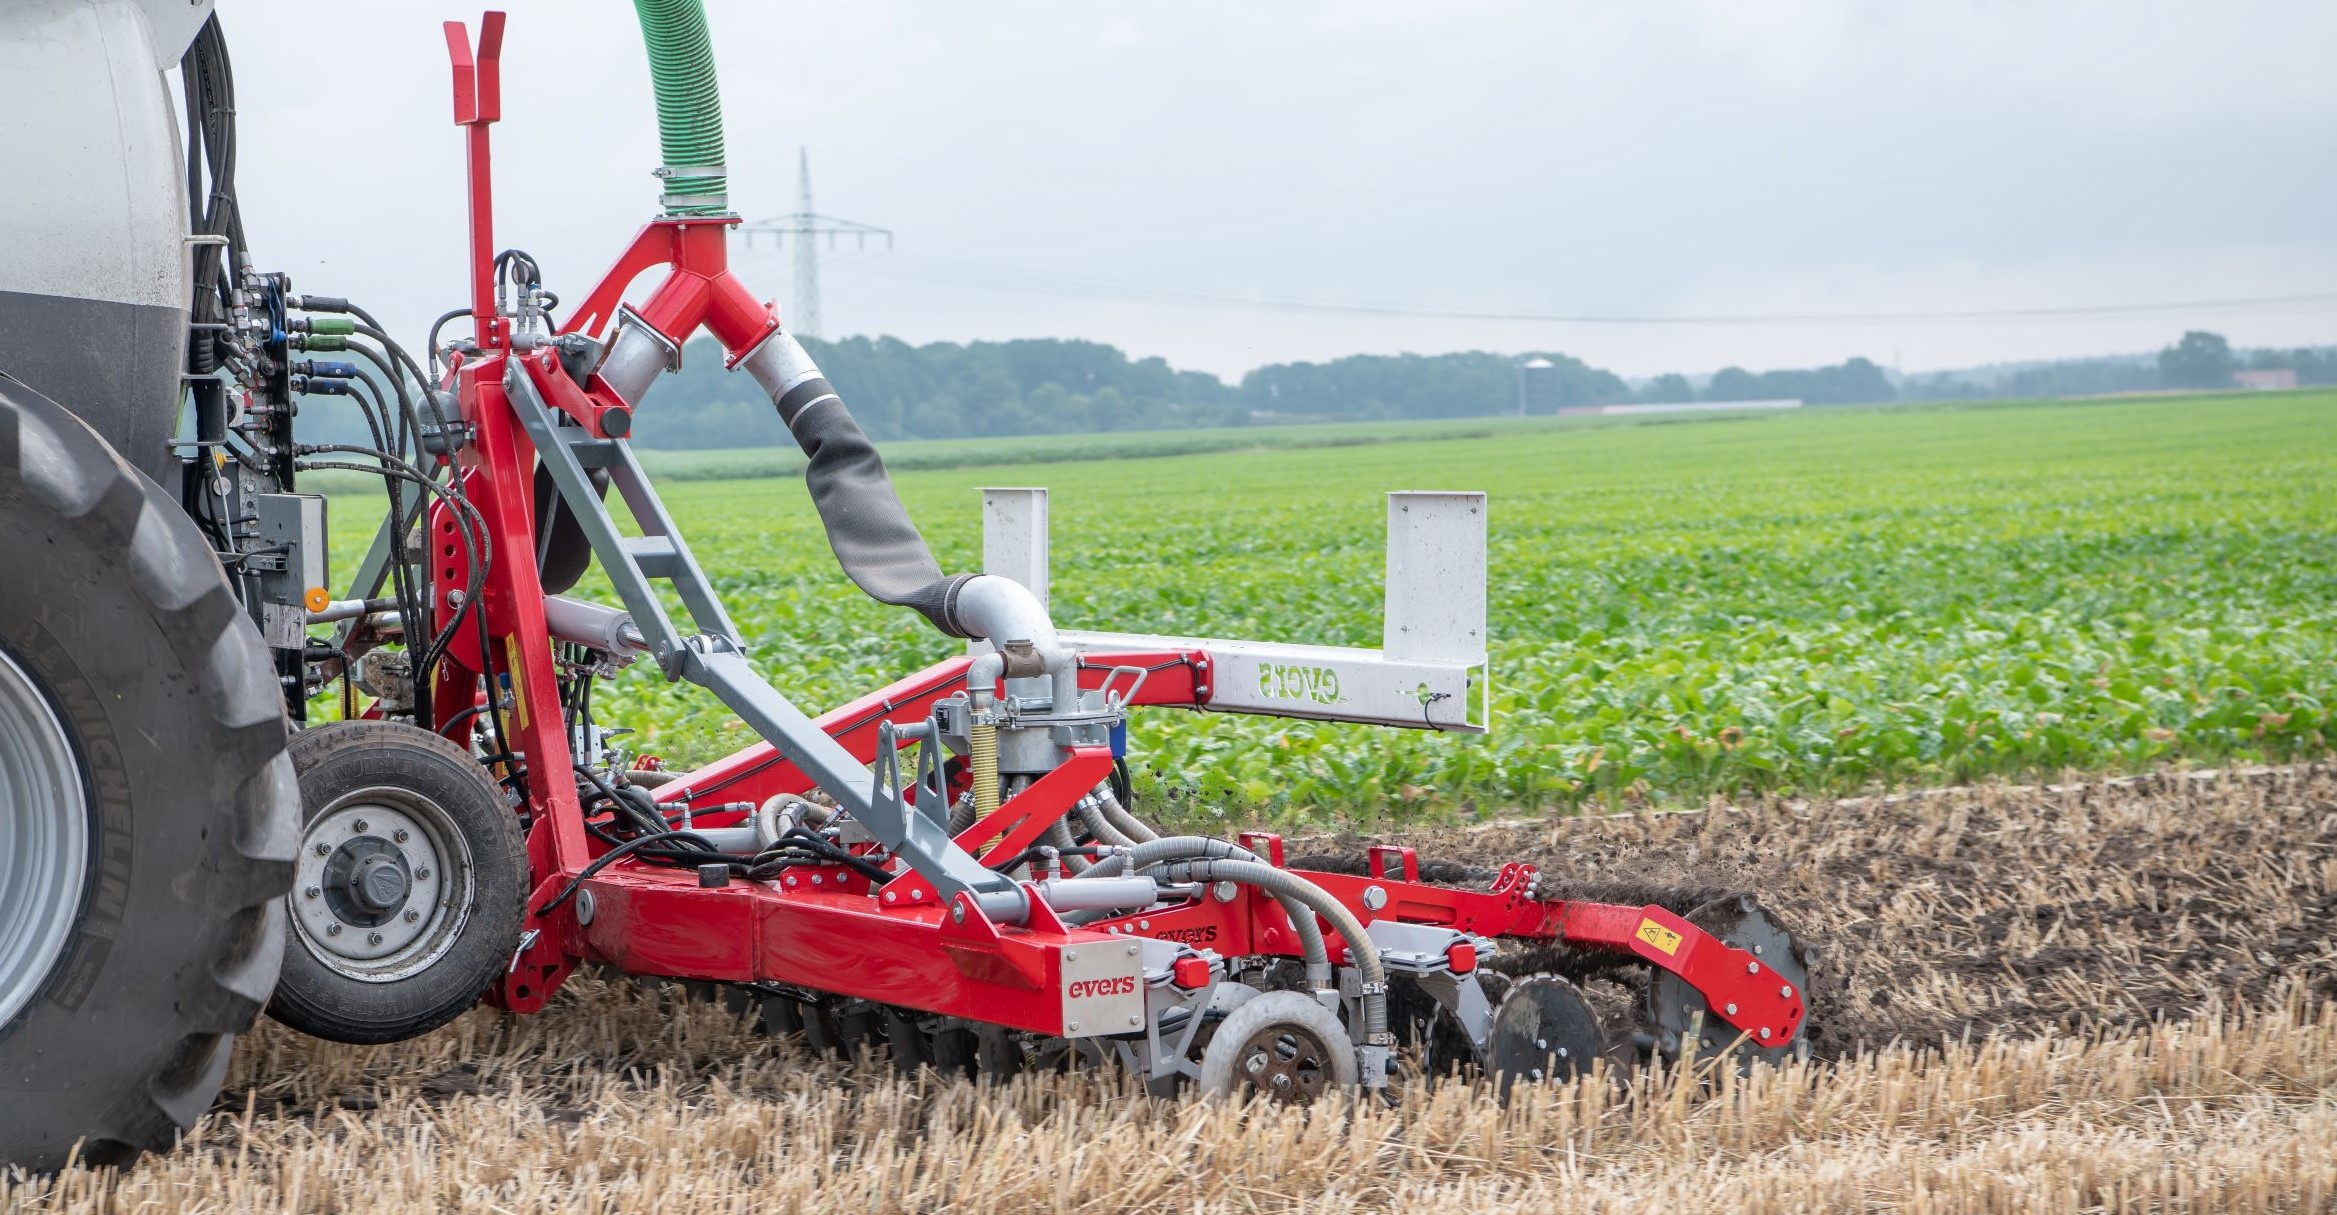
x=59, y=479
x=313, y=1011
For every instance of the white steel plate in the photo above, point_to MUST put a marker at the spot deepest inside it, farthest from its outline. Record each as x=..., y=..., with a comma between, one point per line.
x=1103, y=988
x=1324, y=682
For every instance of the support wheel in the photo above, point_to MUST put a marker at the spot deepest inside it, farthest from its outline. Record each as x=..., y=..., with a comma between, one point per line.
x=410, y=887
x=1281, y=1045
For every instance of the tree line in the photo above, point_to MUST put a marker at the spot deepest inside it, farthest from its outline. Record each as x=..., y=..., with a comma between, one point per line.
x=945, y=390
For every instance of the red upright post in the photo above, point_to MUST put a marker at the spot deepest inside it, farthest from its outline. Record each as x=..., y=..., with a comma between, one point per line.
x=478, y=101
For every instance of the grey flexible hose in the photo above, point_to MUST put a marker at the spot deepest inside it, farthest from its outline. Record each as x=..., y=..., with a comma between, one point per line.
x=1287, y=885
x=1091, y=816
x=1191, y=847
x=1058, y=836
x=1117, y=815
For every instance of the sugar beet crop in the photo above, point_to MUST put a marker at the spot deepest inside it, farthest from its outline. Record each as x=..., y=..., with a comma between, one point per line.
x=1804, y=604
x=2105, y=998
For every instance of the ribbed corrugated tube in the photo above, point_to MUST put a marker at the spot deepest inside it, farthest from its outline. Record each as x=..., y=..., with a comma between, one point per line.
x=689, y=102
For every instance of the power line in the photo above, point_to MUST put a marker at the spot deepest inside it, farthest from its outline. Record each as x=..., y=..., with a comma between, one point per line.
x=805, y=225
x=1025, y=281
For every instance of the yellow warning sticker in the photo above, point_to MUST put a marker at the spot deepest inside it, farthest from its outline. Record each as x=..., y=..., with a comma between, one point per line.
x=1659, y=936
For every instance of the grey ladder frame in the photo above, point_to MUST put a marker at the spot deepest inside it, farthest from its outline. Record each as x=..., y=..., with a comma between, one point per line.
x=714, y=658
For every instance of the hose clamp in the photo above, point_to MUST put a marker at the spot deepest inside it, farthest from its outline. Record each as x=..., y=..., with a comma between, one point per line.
x=663, y=172
x=718, y=200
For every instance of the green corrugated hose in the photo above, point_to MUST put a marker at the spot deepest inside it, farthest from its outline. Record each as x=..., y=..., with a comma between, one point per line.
x=689, y=103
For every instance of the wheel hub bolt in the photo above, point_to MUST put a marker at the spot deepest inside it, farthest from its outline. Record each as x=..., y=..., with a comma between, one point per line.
x=412, y=915
x=324, y=849
x=422, y=874
x=313, y=891
x=1281, y=1081
x=401, y=835
x=373, y=938
x=360, y=825
x=332, y=930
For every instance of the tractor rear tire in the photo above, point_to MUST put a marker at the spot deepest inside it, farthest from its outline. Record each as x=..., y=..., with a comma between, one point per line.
x=145, y=799
x=396, y=804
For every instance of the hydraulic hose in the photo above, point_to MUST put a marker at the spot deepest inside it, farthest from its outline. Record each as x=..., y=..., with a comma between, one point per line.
x=689, y=106
x=1058, y=837
x=1289, y=886
x=1200, y=847
x=1091, y=816
x=1117, y=815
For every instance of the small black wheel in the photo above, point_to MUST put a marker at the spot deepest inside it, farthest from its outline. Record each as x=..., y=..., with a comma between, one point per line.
x=410, y=889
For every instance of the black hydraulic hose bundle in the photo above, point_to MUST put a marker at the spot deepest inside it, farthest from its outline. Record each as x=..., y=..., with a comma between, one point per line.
x=209, y=101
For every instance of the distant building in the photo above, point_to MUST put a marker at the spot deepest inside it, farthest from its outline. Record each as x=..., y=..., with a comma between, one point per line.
x=1537, y=386
x=2266, y=380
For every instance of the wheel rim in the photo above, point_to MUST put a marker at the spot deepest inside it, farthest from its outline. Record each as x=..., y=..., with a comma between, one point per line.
x=1285, y=1062
x=44, y=848
x=385, y=884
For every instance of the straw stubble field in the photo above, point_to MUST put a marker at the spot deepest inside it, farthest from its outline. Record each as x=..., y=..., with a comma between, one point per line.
x=2108, y=997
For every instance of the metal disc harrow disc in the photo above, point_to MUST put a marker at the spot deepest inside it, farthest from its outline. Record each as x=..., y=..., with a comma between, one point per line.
x=1445, y=1047
x=1678, y=1015
x=1543, y=1032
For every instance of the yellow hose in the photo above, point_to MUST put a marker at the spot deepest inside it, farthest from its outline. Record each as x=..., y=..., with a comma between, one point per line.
x=982, y=749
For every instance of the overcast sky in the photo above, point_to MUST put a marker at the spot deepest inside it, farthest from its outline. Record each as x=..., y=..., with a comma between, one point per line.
x=1134, y=172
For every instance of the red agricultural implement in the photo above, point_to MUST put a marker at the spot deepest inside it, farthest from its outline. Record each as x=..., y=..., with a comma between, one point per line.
x=951, y=866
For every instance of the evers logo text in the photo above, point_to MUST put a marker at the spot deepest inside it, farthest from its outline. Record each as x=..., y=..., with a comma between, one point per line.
x=1086, y=989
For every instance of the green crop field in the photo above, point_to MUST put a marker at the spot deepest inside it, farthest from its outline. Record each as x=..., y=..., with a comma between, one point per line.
x=1823, y=601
